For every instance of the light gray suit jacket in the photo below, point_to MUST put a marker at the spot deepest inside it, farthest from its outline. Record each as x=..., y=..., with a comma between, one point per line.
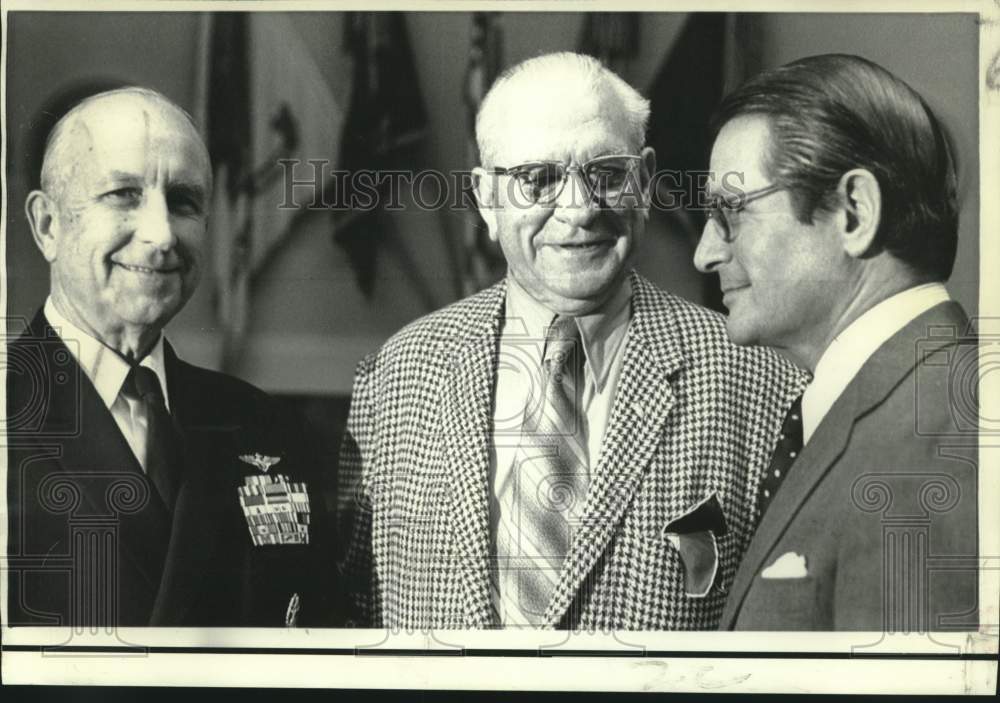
x=881, y=503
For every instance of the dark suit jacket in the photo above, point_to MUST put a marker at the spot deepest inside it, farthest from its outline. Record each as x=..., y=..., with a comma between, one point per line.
x=881, y=503
x=90, y=541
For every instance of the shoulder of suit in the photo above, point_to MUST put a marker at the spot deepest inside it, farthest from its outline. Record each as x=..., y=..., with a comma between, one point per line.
x=684, y=316
x=228, y=400
x=446, y=326
x=701, y=335
x=218, y=386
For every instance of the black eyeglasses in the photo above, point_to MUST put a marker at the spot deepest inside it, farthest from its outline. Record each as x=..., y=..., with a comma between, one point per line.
x=721, y=208
x=607, y=178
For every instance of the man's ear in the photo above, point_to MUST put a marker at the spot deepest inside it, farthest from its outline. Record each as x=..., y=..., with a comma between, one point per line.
x=41, y=211
x=861, y=210
x=647, y=169
x=484, y=187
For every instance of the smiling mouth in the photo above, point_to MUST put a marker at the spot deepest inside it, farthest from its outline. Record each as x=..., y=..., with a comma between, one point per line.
x=586, y=245
x=146, y=269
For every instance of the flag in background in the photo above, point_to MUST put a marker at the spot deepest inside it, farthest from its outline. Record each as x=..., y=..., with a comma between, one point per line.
x=683, y=96
x=295, y=117
x=483, y=262
x=227, y=117
x=611, y=37
x=386, y=122
x=264, y=99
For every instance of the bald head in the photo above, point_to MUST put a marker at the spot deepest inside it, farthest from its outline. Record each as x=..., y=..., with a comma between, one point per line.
x=70, y=139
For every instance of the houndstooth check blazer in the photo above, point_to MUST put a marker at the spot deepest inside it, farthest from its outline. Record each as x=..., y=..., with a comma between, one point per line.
x=693, y=416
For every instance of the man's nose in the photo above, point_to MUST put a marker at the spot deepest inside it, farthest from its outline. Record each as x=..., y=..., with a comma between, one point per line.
x=153, y=226
x=712, y=252
x=575, y=205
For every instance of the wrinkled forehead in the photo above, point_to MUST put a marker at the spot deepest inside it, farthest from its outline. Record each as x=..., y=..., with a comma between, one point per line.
x=138, y=133
x=548, y=120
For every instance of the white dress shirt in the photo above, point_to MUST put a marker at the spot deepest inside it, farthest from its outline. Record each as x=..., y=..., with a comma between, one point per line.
x=519, y=369
x=849, y=351
x=107, y=370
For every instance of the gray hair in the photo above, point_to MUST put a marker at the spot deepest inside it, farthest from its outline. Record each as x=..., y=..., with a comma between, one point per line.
x=582, y=73
x=56, y=143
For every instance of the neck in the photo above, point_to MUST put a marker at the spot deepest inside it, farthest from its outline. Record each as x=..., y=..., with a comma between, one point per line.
x=861, y=296
x=131, y=342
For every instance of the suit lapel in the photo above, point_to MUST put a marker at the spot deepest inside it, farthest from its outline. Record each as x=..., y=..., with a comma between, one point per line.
x=873, y=383
x=642, y=404
x=102, y=466
x=467, y=406
x=193, y=537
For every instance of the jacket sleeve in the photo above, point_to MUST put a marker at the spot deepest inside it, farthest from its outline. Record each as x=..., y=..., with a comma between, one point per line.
x=355, y=560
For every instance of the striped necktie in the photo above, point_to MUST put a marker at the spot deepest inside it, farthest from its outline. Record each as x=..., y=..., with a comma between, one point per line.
x=545, y=502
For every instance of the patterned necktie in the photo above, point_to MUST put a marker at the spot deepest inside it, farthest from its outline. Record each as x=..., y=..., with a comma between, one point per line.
x=549, y=482
x=161, y=437
x=789, y=446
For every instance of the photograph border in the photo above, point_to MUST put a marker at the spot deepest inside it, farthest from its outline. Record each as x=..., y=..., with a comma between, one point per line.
x=856, y=662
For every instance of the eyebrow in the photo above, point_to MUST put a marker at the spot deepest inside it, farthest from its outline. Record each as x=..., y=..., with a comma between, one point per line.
x=184, y=187
x=123, y=176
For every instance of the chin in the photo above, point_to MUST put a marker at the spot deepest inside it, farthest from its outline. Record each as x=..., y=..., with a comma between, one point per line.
x=593, y=282
x=578, y=292
x=153, y=315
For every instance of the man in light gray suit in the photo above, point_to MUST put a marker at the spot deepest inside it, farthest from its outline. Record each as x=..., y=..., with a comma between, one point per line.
x=833, y=227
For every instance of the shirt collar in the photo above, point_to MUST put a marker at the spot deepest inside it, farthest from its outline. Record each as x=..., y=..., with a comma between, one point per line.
x=105, y=368
x=849, y=351
x=601, y=331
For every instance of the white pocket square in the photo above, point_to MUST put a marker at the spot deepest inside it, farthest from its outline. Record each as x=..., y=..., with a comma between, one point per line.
x=788, y=566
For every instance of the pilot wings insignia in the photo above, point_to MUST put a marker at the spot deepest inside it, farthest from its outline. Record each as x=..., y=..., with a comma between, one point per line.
x=263, y=463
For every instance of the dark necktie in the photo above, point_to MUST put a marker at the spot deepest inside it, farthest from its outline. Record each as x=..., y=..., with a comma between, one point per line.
x=550, y=480
x=789, y=446
x=162, y=444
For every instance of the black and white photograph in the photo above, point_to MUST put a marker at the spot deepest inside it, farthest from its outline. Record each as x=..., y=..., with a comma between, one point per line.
x=501, y=346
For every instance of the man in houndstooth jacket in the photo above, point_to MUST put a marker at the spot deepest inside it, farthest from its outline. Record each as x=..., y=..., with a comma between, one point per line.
x=680, y=423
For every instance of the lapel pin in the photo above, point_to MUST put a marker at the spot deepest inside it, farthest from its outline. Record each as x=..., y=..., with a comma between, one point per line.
x=263, y=463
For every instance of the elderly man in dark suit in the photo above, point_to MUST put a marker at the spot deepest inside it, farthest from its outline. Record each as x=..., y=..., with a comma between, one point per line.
x=143, y=490
x=834, y=226
x=572, y=447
